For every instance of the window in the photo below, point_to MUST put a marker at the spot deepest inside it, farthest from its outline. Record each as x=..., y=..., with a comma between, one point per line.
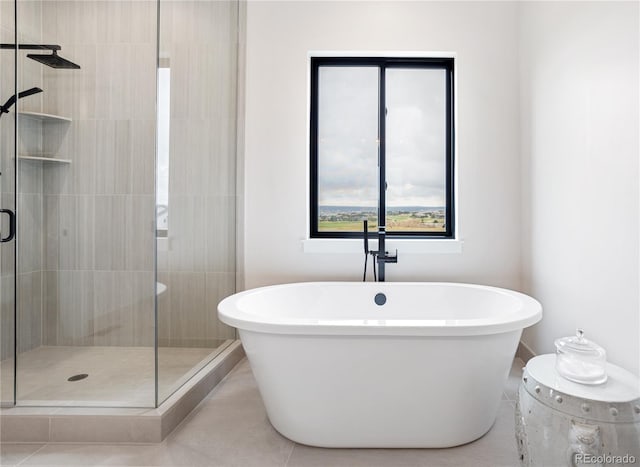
x=381, y=146
x=162, y=144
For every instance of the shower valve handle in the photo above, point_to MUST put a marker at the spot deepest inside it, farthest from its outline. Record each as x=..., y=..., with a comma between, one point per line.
x=12, y=225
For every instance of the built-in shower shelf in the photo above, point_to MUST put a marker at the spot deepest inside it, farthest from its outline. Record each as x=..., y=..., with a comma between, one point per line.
x=45, y=159
x=44, y=117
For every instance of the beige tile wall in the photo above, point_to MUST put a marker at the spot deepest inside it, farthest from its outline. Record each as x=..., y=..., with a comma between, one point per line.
x=7, y=121
x=99, y=216
x=199, y=41
x=29, y=270
x=86, y=272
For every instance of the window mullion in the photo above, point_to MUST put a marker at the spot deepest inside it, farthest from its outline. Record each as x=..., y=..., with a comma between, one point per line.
x=382, y=183
x=450, y=150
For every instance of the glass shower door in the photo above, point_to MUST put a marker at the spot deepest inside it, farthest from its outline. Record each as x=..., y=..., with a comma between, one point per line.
x=196, y=183
x=7, y=202
x=96, y=324
x=86, y=206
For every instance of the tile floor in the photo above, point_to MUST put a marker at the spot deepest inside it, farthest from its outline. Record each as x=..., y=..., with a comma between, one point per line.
x=118, y=376
x=230, y=428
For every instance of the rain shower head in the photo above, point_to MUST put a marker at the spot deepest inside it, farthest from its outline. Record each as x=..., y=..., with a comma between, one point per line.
x=54, y=61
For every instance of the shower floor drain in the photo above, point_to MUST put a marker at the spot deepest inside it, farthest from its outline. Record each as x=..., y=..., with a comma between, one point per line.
x=78, y=377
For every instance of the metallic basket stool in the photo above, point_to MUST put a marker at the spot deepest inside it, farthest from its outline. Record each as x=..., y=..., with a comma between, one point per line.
x=561, y=423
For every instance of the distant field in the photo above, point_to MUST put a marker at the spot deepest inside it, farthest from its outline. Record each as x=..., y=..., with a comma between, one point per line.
x=405, y=222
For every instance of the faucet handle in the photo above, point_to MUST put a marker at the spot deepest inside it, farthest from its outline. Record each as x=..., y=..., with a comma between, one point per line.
x=394, y=258
x=387, y=258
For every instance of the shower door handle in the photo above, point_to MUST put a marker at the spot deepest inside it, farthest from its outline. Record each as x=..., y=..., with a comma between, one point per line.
x=12, y=225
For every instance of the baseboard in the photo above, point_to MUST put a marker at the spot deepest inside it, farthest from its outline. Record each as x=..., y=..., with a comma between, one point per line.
x=524, y=352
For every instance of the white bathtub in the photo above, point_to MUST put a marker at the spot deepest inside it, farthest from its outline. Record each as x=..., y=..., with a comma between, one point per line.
x=426, y=369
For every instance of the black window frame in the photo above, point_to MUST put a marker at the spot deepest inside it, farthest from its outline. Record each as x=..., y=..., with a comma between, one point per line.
x=383, y=63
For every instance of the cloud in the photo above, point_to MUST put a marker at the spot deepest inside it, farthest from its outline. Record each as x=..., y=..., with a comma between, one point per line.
x=348, y=131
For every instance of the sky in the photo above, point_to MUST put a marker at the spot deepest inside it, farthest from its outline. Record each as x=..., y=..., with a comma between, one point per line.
x=348, y=136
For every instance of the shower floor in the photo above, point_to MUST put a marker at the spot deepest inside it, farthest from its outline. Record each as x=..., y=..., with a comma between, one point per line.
x=118, y=376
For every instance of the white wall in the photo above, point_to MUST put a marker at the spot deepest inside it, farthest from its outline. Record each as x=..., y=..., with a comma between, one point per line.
x=547, y=151
x=579, y=140
x=280, y=34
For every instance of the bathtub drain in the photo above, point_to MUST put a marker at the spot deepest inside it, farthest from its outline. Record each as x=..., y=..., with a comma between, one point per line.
x=380, y=299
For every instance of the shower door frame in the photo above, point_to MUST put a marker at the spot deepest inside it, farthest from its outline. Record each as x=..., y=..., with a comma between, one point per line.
x=15, y=400
x=13, y=210
x=156, y=396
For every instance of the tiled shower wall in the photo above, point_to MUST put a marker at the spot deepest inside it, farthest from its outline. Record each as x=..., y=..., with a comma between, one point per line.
x=198, y=39
x=87, y=254
x=30, y=268
x=99, y=211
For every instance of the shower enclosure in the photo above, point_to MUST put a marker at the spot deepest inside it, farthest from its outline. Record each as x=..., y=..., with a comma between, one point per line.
x=118, y=167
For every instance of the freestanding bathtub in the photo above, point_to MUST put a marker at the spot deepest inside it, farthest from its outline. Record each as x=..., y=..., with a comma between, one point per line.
x=425, y=369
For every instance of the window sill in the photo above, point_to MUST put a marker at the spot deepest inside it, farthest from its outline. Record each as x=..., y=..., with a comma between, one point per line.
x=410, y=246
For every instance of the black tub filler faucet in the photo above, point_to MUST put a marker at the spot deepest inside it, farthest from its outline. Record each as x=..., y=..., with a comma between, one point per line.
x=381, y=257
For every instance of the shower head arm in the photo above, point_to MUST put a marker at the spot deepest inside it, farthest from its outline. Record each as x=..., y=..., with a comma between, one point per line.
x=53, y=47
